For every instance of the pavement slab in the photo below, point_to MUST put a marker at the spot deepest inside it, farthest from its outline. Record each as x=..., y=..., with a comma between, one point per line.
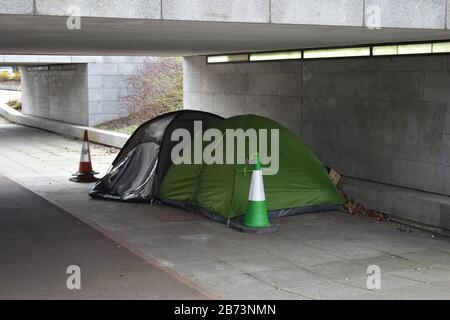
x=425, y=275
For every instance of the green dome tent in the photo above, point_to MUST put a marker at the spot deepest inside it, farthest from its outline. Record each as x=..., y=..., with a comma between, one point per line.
x=221, y=190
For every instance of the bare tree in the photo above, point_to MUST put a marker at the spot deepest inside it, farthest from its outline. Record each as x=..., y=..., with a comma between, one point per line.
x=156, y=89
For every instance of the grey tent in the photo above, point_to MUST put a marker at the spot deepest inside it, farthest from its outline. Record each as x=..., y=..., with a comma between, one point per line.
x=139, y=168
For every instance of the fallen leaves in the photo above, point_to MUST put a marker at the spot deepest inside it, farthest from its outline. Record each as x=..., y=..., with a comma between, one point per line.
x=112, y=150
x=357, y=209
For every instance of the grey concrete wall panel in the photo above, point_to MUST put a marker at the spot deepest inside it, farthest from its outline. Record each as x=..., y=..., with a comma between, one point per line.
x=59, y=95
x=320, y=12
x=427, y=210
x=136, y=9
x=22, y=59
x=91, y=95
x=427, y=14
x=270, y=89
x=108, y=84
x=217, y=10
x=16, y=7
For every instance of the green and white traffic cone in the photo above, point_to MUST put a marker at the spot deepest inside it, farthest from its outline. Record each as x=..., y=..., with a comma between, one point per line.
x=256, y=216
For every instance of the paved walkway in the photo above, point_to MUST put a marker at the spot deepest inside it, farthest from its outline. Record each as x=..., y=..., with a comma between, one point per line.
x=38, y=241
x=315, y=256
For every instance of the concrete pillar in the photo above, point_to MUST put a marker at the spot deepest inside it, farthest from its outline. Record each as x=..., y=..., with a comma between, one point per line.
x=58, y=92
x=88, y=91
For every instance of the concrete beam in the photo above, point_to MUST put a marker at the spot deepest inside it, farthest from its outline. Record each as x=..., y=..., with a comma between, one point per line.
x=198, y=27
x=394, y=14
x=29, y=60
x=19, y=59
x=427, y=14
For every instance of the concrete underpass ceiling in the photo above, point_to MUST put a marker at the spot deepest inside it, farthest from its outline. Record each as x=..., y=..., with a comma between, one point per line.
x=105, y=36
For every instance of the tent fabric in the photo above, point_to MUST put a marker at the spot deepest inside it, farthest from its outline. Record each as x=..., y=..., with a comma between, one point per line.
x=301, y=184
x=140, y=166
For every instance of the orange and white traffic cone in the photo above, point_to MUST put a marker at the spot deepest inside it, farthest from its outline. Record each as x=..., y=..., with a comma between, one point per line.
x=85, y=172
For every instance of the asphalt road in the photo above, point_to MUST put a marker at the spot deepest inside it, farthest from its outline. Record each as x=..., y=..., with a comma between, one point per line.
x=38, y=241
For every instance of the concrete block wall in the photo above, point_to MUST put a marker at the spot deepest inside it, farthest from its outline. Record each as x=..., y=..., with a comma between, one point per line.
x=108, y=83
x=90, y=94
x=56, y=93
x=385, y=120
x=269, y=89
x=381, y=119
x=423, y=209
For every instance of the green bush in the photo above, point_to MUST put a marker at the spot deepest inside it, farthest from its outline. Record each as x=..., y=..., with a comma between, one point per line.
x=157, y=88
x=4, y=76
x=17, y=77
x=15, y=104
